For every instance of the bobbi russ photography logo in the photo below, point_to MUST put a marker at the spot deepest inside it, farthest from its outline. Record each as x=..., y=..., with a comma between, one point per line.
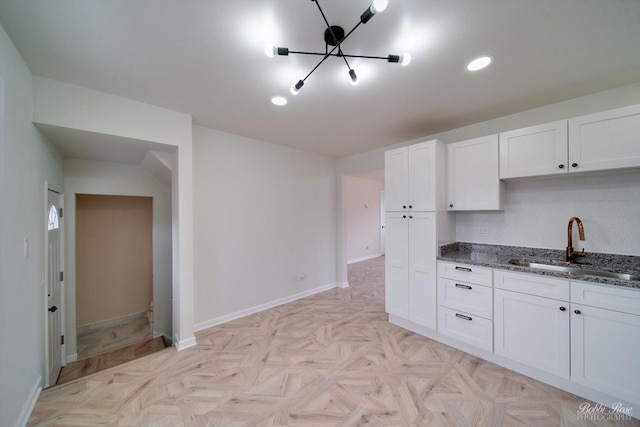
x=588, y=411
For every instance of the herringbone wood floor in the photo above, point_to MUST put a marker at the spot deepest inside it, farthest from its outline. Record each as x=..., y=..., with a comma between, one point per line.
x=328, y=360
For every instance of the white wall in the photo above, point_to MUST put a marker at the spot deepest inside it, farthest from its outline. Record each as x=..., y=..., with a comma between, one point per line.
x=536, y=211
x=106, y=178
x=73, y=107
x=362, y=200
x=263, y=215
x=27, y=160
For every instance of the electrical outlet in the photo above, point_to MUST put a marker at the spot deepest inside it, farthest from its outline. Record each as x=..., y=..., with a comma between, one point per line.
x=483, y=231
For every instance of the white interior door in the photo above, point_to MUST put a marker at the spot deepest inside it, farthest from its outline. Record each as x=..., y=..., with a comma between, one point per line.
x=54, y=288
x=382, y=220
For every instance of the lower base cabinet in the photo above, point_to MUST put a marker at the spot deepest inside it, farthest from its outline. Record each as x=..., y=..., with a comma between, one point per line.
x=465, y=327
x=533, y=330
x=605, y=340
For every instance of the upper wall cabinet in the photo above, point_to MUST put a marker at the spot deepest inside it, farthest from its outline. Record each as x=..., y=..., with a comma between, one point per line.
x=532, y=151
x=602, y=141
x=607, y=140
x=473, y=175
x=411, y=177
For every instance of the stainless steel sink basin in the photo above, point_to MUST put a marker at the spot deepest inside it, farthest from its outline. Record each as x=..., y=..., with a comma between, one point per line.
x=574, y=270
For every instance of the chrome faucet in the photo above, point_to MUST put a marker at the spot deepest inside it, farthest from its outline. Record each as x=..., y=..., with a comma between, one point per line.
x=571, y=254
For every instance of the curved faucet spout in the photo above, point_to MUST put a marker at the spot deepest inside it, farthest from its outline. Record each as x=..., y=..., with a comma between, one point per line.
x=571, y=254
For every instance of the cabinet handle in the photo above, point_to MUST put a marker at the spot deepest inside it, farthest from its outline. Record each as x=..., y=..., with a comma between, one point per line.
x=561, y=166
x=464, y=269
x=563, y=309
x=458, y=285
x=577, y=311
x=574, y=165
x=410, y=206
x=450, y=205
x=404, y=206
x=404, y=216
x=410, y=216
x=462, y=316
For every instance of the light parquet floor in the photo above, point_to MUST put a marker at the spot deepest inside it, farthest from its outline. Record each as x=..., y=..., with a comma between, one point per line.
x=331, y=359
x=108, y=359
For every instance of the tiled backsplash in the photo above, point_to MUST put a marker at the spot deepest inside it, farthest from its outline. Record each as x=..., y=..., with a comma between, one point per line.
x=536, y=213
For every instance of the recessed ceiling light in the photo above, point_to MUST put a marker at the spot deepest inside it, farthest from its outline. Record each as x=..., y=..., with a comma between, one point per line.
x=279, y=100
x=479, y=63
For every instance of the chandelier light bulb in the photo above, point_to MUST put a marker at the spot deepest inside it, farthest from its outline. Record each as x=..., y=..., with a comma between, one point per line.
x=379, y=5
x=405, y=59
x=270, y=50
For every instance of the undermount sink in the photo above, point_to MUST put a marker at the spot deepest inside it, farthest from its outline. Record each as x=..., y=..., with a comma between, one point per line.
x=573, y=270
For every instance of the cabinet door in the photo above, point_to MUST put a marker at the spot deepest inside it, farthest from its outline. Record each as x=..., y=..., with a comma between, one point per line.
x=396, y=179
x=473, y=175
x=422, y=176
x=605, y=346
x=607, y=140
x=422, y=268
x=532, y=151
x=397, y=264
x=532, y=330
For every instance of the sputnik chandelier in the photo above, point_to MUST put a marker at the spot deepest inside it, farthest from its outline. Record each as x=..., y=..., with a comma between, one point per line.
x=334, y=36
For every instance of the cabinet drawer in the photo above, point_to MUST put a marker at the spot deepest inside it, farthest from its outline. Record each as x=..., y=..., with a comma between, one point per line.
x=466, y=273
x=532, y=284
x=612, y=298
x=470, y=298
x=467, y=328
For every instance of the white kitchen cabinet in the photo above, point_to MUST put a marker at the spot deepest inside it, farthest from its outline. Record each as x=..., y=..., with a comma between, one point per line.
x=416, y=218
x=533, y=151
x=474, y=330
x=606, y=140
x=602, y=141
x=531, y=320
x=396, y=179
x=473, y=178
x=413, y=181
x=532, y=330
x=397, y=264
x=422, y=268
x=410, y=267
x=605, y=340
x=465, y=303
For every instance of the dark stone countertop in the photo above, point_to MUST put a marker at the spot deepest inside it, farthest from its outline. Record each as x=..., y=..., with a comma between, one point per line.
x=497, y=256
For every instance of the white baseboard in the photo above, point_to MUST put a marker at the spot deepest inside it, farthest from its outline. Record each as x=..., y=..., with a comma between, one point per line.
x=251, y=310
x=184, y=344
x=28, y=405
x=72, y=357
x=343, y=285
x=364, y=258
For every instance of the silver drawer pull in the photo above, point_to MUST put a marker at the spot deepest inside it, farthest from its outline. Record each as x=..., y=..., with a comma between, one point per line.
x=458, y=285
x=463, y=269
x=462, y=316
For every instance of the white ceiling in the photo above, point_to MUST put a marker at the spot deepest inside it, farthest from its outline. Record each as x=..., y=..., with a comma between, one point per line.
x=206, y=58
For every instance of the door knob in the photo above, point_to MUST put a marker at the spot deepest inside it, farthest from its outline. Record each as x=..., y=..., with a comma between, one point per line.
x=53, y=309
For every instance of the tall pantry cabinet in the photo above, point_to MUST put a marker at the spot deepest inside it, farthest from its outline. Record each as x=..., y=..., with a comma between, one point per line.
x=416, y=220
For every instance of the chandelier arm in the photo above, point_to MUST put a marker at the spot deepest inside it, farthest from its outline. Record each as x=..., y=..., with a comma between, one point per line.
x=338, y=55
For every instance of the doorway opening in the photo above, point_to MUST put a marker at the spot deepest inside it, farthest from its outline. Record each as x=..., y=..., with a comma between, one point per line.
x=114, y=272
